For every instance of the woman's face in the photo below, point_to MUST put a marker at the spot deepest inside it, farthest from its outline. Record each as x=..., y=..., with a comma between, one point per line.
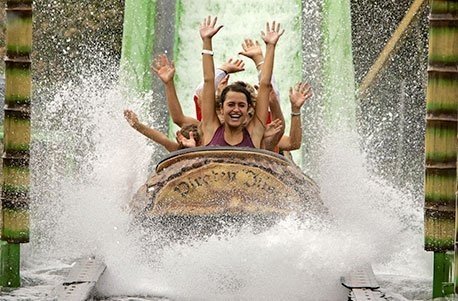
x=235, y=109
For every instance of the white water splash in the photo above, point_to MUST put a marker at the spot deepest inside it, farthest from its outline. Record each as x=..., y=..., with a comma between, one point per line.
x=89, y=162
x=294, y=260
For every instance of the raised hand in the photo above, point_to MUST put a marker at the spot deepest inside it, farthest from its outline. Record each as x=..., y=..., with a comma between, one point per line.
x=272, y=34
x=207, y=28
x=299, y=94
x=233, y=66
x=272, y=129
x=131, y=118
x=164, y=68
x=185, y=142
x=251, y=49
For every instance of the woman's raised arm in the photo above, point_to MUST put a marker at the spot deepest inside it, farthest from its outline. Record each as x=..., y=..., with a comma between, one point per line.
x=270, y=37
x=210, y=120
x=165, y=70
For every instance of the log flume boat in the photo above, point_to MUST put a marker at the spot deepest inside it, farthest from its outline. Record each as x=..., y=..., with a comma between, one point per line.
x=225, y=183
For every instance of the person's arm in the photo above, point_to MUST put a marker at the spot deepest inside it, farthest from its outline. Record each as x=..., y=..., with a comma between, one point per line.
x=297, y=96
x=151, y=133
x=165, y=70
x=275, y=109
x=258, y=126
x=273, y=134
x=210, y=121
x=253, y=51
x=222, y=84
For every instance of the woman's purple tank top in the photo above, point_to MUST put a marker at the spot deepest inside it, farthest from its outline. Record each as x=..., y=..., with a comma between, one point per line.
x=218, y=139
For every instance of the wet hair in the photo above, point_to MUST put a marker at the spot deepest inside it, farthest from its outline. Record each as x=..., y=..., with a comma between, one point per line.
x=217, y=102
x=240, y=87
x=254, y=93
x=191, y=128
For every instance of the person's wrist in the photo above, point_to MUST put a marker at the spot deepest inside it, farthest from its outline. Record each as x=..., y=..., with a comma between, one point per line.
x=295, y=110
x=207, y=51
x=224, y=69
x=257, y=58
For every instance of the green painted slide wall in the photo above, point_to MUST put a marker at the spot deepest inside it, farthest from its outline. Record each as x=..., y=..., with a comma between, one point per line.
x=338, y=70
x=137, y=44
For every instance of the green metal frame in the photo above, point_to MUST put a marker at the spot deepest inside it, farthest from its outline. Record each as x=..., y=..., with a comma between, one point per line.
x=10, y=258
x=442, y=286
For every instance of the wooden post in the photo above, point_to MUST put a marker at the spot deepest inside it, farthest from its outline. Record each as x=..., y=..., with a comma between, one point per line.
x=441, y=132
x=15, y=188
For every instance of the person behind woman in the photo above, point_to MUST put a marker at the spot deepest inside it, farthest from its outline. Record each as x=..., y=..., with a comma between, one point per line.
x=235, y=98
x=298, y=95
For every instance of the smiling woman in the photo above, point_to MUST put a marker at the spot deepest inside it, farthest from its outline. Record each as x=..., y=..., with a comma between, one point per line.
x=235, y=99
x=235, y=102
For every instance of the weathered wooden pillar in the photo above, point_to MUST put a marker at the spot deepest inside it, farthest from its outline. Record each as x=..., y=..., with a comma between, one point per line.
x=16, y=154
x=441, y=133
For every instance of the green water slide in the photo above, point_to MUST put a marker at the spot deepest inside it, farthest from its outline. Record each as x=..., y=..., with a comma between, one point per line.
x=334, y=85
x=338, y=70
x=137, y=44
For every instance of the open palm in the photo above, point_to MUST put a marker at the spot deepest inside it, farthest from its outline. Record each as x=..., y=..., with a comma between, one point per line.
x=163, y=68
x=251, y=49
x=186, y=142
x=207, y=28
x=272, y=33
x=272, y=129
x=233, y=66
x=300, y=94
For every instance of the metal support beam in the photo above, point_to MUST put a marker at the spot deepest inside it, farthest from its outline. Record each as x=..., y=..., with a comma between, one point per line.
x=442, y=274
x=10, y=264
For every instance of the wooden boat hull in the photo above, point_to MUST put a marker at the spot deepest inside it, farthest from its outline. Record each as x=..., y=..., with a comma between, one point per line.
x=212, y=182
